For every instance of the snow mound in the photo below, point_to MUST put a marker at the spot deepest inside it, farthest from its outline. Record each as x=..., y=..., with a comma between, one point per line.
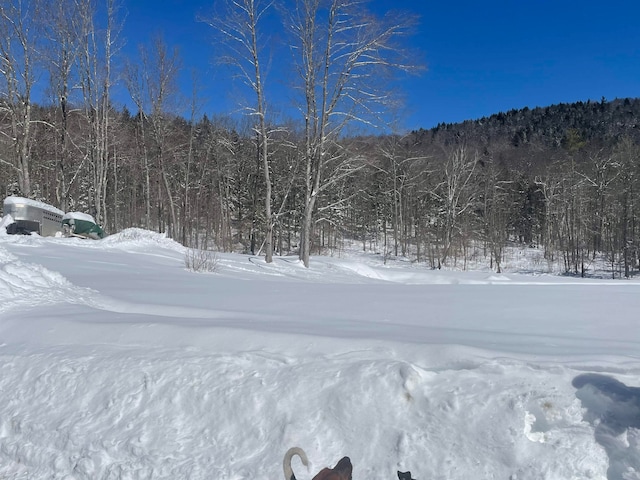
x=6, y=256
x=138, y=238
x=363, y=270
x=27, y=285
x=174, y=414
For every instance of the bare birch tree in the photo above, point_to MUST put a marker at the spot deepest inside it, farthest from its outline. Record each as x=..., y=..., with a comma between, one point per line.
x=152, y=85
x=61, y=56
x=496, y=210
x=396, y=164
x=456, y=195
x=97, y=50
x=240, y=25
x=193, y=129
x=626, y=155
x=19, y=31
x=135, y=86
x=160, y=71
x=342, y=52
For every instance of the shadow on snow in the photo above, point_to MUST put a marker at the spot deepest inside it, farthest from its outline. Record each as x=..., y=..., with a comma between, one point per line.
x=613, y=408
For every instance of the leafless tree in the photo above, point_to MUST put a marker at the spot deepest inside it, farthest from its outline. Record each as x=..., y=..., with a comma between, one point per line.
x=136, y=88
x=396, y=165
x=152, y=85
x=456, y=194
x=496, y=210
x=61, y=55
x=160, y=71
x=626, y=219
x=341, y=51
x=19, y=33
x=193, y=127
x=600, y=174
x=96, y=55
x=240, y=25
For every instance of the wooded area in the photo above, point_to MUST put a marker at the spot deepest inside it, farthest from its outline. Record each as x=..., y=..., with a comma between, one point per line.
x=564, y=178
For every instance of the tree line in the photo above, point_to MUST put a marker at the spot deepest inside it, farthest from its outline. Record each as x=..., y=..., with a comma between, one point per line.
x=561, y=178
x=81, y=149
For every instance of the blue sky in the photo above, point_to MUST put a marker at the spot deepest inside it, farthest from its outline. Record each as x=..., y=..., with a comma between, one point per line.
x=482, y=57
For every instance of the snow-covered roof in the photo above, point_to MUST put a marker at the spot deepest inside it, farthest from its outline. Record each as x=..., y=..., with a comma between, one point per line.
x=33, y=203
x=78, y=216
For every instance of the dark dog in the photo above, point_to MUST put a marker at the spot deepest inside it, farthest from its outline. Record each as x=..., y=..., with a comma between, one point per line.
x=404, y=476
x=342, y=470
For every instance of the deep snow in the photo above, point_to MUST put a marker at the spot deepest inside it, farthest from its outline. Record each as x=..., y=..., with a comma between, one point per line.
x=117, y=362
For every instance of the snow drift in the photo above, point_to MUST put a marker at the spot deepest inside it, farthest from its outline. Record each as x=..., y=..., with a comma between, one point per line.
x=117, y=362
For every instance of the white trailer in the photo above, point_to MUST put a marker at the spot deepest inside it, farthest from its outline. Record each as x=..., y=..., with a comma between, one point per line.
x=32, y=216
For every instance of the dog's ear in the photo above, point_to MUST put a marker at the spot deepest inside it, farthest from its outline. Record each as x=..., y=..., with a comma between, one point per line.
x=344, y=465
x=404, y=475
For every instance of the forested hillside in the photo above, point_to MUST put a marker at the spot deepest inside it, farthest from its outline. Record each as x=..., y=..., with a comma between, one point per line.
x=563, y=178
x=597, y=122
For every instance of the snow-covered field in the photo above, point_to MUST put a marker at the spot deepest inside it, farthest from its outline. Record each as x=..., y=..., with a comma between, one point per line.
x=118, y=363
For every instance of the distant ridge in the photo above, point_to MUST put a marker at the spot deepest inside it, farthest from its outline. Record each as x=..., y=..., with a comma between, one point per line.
x=601, y=122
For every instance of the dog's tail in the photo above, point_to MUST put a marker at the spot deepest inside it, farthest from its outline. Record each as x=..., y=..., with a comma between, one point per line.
x=286, y=463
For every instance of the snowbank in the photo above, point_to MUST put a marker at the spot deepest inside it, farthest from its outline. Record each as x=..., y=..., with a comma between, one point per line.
x=117, y=362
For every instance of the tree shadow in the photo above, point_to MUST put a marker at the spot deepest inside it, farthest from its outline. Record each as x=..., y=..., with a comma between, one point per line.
x=613, y=408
